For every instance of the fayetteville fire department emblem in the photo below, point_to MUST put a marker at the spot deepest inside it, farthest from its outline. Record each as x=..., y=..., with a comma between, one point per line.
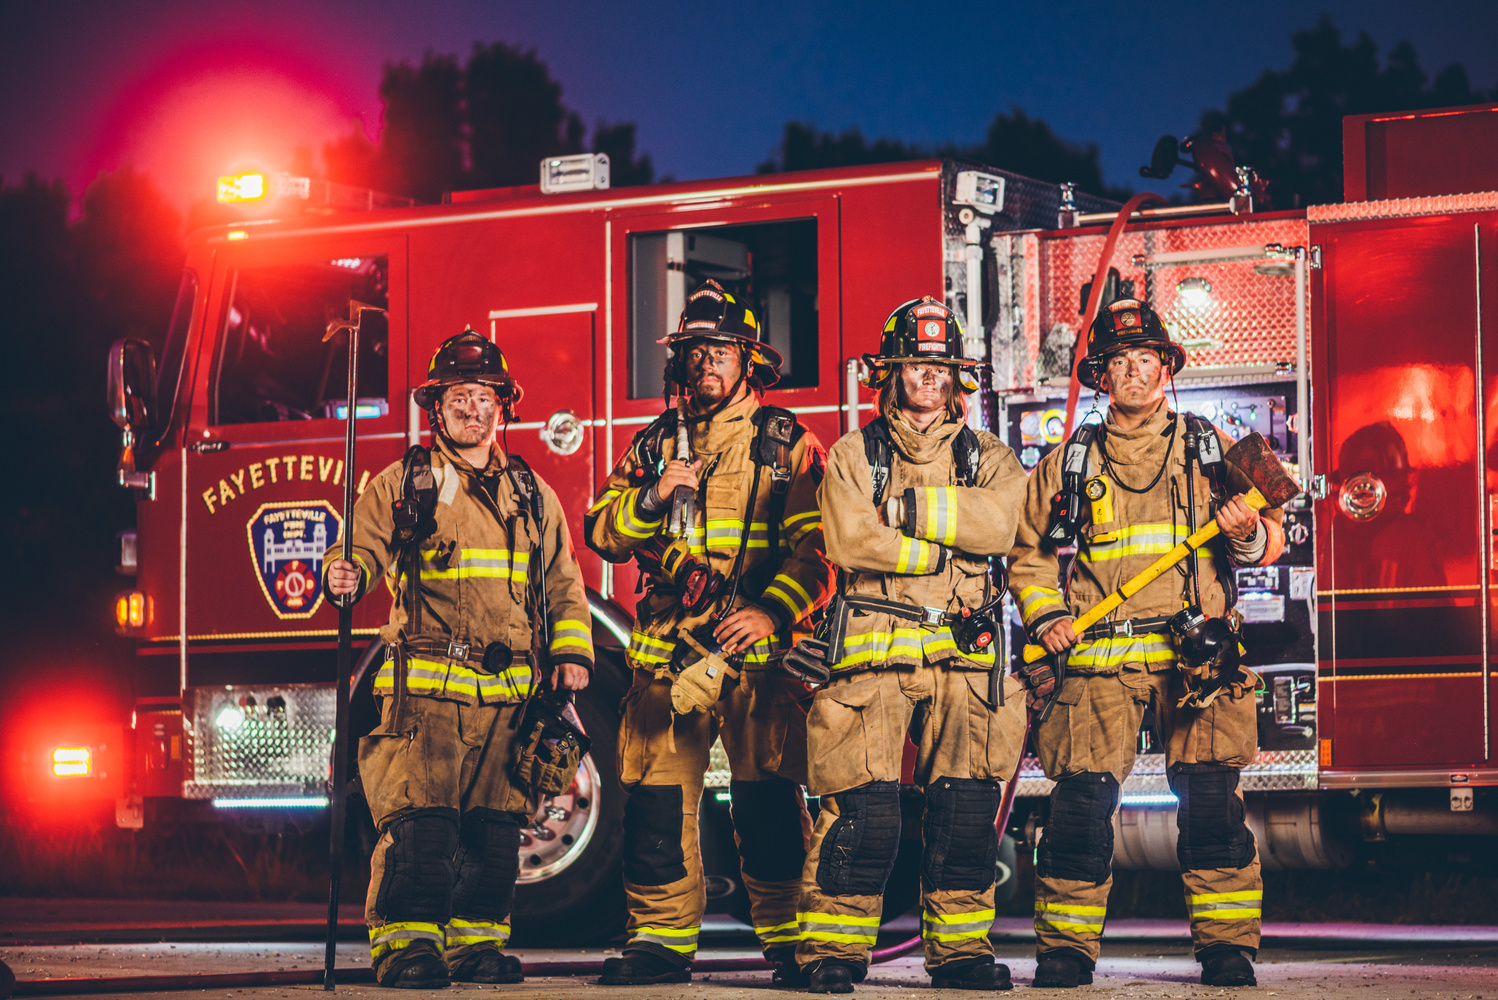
x=287, y=542
x=931, y=335
x=1127, y=319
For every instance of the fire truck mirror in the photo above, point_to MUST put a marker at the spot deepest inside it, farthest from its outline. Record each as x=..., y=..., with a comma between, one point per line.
x=132, y=385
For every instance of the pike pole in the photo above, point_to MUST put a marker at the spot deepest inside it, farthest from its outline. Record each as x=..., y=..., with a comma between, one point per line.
x=337, y=800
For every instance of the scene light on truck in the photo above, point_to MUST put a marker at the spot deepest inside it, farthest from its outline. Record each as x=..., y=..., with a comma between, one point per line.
x=1194, y=293
x=230, y=719
x=72, y=762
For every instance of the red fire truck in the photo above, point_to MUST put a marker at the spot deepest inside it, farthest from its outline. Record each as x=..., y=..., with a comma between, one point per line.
x=1353, y=336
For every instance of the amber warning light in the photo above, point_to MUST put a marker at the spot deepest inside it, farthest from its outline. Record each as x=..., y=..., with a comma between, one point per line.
x=239, y=188
x=72, y=762
x=130, y=611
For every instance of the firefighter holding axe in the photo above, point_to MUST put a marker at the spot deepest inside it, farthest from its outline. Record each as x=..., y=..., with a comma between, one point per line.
x=1160, y=510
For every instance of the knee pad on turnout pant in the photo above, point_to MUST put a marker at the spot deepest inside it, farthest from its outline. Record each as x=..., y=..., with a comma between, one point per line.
x=1213, y=833
x=961, y=847
x=652, y=835
x=1078, y=839
x=858, y=852
x=767, y=818
x=488, y=863
x=418, y=880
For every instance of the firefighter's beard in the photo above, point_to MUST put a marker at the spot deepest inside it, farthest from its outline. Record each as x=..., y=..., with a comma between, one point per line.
x=710, y=384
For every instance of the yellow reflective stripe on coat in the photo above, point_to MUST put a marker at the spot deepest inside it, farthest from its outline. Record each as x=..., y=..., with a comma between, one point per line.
x=626, y=522
x=425, y=676
x=839, y=927
x=956, y=926
x=941, y=514
x=779, y=933
x=725, y=532
x=1033, y=599
x=649, y=649
x=1135, y=540
x=395, y=936
x=798, y=526
x=916, y=557
x=475, y=563
x=569, y=633
x=460, y=932
x=1115, y=651
x=791, y=594
x=603, y=500
x=678, y=939
x=1245, y=905
x=1063, y=916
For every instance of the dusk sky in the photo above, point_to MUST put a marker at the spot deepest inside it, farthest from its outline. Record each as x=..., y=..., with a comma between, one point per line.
x=186, y=89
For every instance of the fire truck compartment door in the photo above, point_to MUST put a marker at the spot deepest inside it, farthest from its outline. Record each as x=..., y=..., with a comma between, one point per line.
x=1403, y=556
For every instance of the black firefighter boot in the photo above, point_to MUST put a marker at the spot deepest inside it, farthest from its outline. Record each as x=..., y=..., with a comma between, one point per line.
x=1225, y=965
x=642, y=968
x=416, y=967
x=978, y=973
x=786, y=970
x=489, y=965
x=829, y=975
x=1063, y=968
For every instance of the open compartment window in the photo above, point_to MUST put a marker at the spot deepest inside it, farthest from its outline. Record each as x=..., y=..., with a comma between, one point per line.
x=771, y=266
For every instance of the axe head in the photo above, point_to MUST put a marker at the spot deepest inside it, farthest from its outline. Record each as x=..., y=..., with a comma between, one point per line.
x=1253, y=456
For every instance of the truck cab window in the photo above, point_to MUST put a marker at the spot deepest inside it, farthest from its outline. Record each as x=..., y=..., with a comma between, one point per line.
x=169, y=373
x=771, y=266
x=273, y=364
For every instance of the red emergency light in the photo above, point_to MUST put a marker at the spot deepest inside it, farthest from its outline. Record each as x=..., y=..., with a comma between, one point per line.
x=72, y=762
x=242, y=187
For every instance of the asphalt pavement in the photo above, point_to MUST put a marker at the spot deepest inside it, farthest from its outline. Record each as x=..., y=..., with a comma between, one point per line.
x=52, y=940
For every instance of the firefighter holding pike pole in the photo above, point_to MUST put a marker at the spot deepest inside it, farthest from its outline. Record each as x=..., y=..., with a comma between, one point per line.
x=1128, y=491
x=488, y=636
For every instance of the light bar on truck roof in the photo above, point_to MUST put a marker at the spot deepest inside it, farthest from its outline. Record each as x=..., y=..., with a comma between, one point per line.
x=583, y=172
x=242, y=187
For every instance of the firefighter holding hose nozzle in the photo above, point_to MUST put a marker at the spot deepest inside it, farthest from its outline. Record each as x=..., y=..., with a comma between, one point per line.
x=915, y=507
x=716, y=501
x=488, y=635
x=1126, y=491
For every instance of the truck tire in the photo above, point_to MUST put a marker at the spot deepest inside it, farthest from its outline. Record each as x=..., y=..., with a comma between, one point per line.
x=571, y=889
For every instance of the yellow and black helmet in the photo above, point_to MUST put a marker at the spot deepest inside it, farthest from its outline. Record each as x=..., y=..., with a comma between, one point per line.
x=713, y=313
x=468, y=357
x=1120, y=325
x=922, y=331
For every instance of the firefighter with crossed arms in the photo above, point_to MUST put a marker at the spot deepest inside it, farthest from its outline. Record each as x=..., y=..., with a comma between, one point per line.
x=462, y=651
x=915, y=506
x=744, y=564
x=1142, y=504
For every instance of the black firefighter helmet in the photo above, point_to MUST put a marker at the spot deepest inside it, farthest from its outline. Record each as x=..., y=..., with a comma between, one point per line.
x=468, y=357
x=922, y=330
x=713, y=313
x=1120, y=325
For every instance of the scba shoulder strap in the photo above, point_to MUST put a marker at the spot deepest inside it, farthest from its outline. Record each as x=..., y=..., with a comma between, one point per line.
x=1066, y=506
x=413, y=511
x=1208, y=450
x=878, y=447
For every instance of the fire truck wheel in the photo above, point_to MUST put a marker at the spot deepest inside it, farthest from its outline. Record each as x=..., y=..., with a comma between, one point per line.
x=571, y=889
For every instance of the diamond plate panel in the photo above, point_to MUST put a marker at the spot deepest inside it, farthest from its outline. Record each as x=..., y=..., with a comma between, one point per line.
x=1248, y=319
x=1477, y=201
x=257, y=742
x=1271, y=771
x=718, y=774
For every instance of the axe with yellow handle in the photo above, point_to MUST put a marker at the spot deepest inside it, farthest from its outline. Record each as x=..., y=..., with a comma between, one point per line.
x=1273, y=487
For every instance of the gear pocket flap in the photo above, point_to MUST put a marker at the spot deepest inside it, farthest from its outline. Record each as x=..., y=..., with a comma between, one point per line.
x=845, y=737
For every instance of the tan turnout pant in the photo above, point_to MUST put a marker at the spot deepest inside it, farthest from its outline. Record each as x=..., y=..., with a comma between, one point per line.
x=432, y=787
x=662, y=760
x=1090, y=738
x=964, y=746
